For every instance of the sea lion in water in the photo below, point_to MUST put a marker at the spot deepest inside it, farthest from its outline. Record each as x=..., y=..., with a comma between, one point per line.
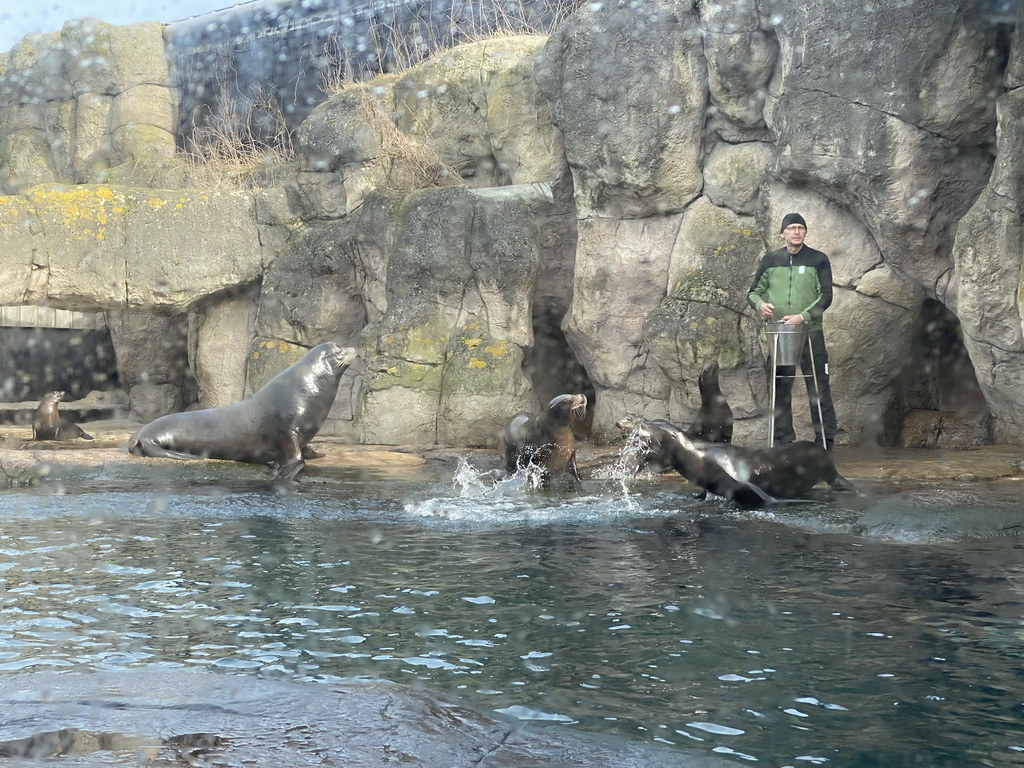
x=274, y=426
x=749, y=476
x=545, y=440
x=48, y=424
x=713, y=422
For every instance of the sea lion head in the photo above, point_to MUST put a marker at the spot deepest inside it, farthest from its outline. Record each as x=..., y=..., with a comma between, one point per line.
x=628, y=423
x=54, y=397
x=568, y=406
x=650, y=442
x=335, y=357
x=709, y=375
x=649, y=432
x=642, y=443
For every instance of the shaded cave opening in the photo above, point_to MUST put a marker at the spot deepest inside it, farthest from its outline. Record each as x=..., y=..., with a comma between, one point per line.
x=552, y=365
x=938, y=379
x=72, y=352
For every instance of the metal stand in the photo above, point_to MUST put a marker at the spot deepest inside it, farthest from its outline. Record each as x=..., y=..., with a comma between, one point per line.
x=800, y=375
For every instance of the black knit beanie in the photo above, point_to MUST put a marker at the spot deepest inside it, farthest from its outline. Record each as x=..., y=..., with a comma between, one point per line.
x=792, y=218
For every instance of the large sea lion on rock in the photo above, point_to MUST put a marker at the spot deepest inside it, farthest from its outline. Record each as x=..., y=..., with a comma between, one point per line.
x=546, y=440
x=749, y=476
x=48, y=424
x=274, y=426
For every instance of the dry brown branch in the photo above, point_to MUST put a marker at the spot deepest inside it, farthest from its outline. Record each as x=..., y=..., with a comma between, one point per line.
x=225, y=150
x=405, y=164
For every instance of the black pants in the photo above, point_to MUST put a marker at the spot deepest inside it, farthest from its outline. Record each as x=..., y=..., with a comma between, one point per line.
x=820, y=391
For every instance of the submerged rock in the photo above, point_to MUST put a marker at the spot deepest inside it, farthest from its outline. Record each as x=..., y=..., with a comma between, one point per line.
x=171, y=717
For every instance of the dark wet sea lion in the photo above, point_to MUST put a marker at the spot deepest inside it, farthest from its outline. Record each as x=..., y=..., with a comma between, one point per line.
x=48, y=424
x=749, y=476
x=274, y=426
x=544, y=440
x=713, y=422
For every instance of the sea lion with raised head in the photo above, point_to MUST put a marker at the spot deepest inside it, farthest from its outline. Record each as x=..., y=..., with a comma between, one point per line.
x=713, y=422
x=544, y=440
x=273, y=427
x=751, y=477
x=48, y=424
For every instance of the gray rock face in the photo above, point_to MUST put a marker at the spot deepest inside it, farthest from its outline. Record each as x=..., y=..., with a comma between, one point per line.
x=153, y=361
x=627, y=172
x=627, y=87
x=704, y=315
x=871, y=115
x=986, y=288
x=741, y=59
x=447, y=361
x=75, y=104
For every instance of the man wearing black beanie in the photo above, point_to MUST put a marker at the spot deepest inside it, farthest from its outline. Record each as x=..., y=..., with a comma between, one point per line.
x=794, y=285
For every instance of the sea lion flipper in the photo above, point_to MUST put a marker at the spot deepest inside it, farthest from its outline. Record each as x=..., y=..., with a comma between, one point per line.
x=840, y=483
x=68, y=430
x=760, y=492
x=149, y=447
x=289, y=462
x=152, y=450
x=571, y=466
x=309, y=453
x=289, y=470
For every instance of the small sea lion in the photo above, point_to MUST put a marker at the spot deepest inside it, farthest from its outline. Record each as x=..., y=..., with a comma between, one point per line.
x=544, y=440
x=713, y=422
x=48, y=424
x=274, y=426
x=751, y=477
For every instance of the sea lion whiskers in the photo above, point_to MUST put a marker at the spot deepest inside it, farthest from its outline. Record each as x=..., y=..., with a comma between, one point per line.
x=579, y=407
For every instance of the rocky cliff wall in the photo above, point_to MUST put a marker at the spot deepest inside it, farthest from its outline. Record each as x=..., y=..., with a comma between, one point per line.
x=578, y=212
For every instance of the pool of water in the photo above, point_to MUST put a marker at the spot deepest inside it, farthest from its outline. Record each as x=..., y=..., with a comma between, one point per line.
x=884, y=630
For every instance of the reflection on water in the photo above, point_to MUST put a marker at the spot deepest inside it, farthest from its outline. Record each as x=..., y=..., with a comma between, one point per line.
x=809, y=634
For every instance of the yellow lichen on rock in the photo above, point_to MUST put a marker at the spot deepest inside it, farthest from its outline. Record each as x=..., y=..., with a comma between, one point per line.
x=93, y=209
x=497, y=348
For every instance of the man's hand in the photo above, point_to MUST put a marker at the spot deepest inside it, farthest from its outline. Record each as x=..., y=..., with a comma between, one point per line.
x=793, y=319
x=767, y=310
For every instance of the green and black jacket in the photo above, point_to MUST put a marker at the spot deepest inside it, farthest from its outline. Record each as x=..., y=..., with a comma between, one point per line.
x=796, y=283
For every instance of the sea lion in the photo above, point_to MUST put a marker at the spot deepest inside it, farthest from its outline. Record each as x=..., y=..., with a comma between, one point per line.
x=48, y=424
x=749, y=476
x=544, y=440
x=274, y=426
x=713, y=422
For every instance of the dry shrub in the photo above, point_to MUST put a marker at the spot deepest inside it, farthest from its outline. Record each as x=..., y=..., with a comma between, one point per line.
x=225, y=150
x=398, y=50
x=404, y=163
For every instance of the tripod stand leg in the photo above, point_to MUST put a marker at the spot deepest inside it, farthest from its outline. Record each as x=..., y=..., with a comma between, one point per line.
x=817, y=394
x=772, y=391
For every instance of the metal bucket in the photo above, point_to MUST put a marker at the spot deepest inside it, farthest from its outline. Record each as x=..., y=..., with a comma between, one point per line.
x=787, y=342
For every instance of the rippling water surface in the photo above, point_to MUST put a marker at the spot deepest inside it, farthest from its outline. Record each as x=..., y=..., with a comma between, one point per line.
x=886, y=632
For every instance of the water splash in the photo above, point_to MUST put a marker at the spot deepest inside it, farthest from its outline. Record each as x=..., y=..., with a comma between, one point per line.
x=489, y=497
x=470, y=482
x=626, y=467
